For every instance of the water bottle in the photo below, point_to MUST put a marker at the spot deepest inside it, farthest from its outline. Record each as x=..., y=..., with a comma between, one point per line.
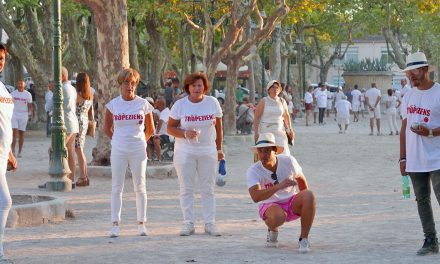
x=405, y=187
x=220, y=181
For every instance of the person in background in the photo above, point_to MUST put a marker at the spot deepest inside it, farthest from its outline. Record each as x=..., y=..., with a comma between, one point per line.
x=177, y=90
x=196, y=124
x=84, y=112
x=308, y=104
x=321, y=102
x=129, y=124
x=356, y=102
x=362, y=102
x=392, y=104
x=48, y=107
x=343, y=108
x=372, y=99
x=169, y=93
x=160, y=136
x=7, y=159
x=22, y=109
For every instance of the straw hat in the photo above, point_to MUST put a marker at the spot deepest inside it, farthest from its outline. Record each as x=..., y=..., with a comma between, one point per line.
x=266, y=140
x=415, y=61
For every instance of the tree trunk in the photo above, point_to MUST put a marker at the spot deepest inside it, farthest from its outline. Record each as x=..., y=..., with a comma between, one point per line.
x=112, y=56
x=230, y=98
x=156, y=42
x=275, y=57
x=90, y=44
x=74, y=57
x=132, y=41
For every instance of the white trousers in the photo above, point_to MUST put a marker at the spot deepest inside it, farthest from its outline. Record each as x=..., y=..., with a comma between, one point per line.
x=392, y=123
x=189, y=166
x=5, y=201
x=137, y=160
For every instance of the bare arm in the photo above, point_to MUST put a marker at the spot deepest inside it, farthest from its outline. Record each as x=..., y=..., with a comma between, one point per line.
x=257, y=194
x=149, y=126
x=302, y=182
x=108, y=124
x=257, y=116
x=219, y=138
x=159, y=126
x=377, y=101
x=403, y=147
x=367, y=101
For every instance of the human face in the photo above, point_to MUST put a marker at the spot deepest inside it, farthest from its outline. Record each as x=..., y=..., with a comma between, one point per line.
x=196, y=90
x=128, y=88
x=417, y=76
x=20, y=86
x=266, y=154
x=274, y=90
x=2, y=59
x=403, y=82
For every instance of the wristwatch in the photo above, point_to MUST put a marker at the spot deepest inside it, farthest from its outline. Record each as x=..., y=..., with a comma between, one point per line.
x=431, y=134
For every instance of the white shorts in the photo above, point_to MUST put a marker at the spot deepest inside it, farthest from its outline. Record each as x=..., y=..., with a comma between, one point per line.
x=356, y=108
x=343, y=120
x=19, y=123
x=375, y=113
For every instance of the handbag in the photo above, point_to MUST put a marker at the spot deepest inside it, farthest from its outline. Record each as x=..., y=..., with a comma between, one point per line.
x=288, y=135
x=92, y=125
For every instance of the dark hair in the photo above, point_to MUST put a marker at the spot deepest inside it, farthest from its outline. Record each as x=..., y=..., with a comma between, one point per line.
x=175, y=80
x=192, y=78
x=356, y=86
x=83, y=86
x=390, y=92
x=3, y=47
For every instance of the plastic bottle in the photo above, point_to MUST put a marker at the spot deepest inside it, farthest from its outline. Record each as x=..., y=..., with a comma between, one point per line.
x=405, y=187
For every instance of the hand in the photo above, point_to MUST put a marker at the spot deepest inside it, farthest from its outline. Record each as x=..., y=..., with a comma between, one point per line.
x=291, y=133
x=256, y=137
x=403, y=168
x=421, y=130
x=191, y=134
x=12, y=161
x=220, y=155
x=287, y=183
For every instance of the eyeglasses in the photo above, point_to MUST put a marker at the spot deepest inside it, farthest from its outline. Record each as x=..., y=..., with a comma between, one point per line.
x=275, y=178
x=132, y=83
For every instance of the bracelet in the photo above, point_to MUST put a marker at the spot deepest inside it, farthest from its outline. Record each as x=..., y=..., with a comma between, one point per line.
x=402, y=160
x=219, y=151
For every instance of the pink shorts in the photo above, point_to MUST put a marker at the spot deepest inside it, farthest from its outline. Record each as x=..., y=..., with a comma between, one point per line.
x=286, y=206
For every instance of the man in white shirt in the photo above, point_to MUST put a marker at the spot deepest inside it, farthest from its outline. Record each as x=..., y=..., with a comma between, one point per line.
x=48, y=107
x=271, y=183
x=356, y=103
x=343, y=108
x=372, y=100
x=160, y=136
x=321, y=100
x=22, y=109
x=420, y=143
x=405, y=88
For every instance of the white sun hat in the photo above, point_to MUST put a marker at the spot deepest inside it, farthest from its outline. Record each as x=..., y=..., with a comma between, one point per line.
x=266, y=140
x=415, y=61
x=269, y=84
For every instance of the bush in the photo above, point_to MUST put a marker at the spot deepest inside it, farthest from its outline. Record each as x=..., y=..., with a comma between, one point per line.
x=367, y=65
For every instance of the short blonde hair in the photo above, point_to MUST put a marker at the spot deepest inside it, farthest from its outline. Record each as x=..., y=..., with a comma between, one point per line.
x=127, y=73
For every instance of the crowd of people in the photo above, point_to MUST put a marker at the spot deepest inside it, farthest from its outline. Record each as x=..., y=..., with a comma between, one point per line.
x=192, y=119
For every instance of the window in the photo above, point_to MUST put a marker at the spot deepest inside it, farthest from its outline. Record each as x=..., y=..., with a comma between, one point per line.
x=385, y=56
x=352, y=54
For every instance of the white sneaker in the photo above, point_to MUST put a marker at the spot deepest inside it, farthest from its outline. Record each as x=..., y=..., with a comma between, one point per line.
x=142, y=230
x=211, y=229
x=304, y=246
x=115, y=231
x=187, y=230
x=272, y=239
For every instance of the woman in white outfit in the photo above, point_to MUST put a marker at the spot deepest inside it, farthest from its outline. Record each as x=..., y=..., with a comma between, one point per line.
x=392, y=104
x=272, y=116
x=6, y=156
x=129, y=124
x=196, y=124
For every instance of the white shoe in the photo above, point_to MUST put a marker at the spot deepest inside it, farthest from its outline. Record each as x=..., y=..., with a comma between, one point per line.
x=211, y=229
x=187, y=230
x=115, y=231
x=304, y=246
x=142, y=230
x=272, y=239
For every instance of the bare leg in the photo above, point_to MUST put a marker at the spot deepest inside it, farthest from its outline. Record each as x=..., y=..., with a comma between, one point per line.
x=346, y=126
x=275, y=217
x=378, y=125
x=14, y=139
x=307, y=117
x=20, y=140
x=157, y=148
x=314, y=117
x=371, y=124
x=71, y=154
x=82, y=163
x=305, y=205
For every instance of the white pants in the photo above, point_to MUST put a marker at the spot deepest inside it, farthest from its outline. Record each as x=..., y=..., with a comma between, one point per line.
x=189, y=166
x=137, y=160
x=392, y=123
x=5, y=201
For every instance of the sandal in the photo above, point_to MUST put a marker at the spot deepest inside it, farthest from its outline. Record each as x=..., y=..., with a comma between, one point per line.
x=81, y=182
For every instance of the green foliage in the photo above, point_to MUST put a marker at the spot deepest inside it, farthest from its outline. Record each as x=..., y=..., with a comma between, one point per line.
x=367, y=65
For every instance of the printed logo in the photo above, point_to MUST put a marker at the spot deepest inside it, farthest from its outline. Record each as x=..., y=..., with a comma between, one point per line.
x=6, y=100
x=195, y=118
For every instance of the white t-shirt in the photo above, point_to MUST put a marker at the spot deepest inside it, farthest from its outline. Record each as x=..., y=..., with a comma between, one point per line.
x=48, y=97
x=6, y=110
x=356, y=94
x=201, y=115
x=404, y=90
x=338, y=96
x=21, y=101
x=343, y=108
x=392, y=101
x=308, y=98
x=422, y=153
x=321, y=98
x=70, y=118
x=287, y=167
x=129, y=123
x=372, y=95
x=164, y=116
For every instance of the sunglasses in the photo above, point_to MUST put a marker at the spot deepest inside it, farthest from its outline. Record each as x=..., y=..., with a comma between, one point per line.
x=275, y=178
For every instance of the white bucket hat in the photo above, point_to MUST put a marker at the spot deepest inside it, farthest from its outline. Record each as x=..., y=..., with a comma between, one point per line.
x=415, y=61
x=269, y=84
x=266, y=140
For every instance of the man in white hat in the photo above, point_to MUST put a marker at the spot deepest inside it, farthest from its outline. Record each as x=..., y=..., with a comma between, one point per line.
x=271, y=183
x=420, y=143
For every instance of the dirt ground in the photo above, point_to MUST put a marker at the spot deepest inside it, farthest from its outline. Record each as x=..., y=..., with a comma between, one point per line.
x=361, y=216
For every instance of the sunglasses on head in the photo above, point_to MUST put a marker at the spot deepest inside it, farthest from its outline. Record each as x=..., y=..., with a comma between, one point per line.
x=275, y=178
